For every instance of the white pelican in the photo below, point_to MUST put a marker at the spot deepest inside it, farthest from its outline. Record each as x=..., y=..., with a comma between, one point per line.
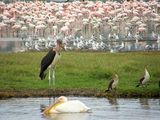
x=144, y=79
x=113, y=83
x=64, y=106
x=50, y=60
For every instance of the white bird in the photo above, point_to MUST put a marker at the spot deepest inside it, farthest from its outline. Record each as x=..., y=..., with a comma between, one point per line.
x=64, y=106
x=112, y=50
x=113, y=83
x=144, y=79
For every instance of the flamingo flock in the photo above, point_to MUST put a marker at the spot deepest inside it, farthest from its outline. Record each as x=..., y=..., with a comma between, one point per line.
x=93, y=25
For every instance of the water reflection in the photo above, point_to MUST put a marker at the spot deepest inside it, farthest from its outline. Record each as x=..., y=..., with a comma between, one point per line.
x=11, y=46
x=144, y=103
x=71, y=116
x=113, y=101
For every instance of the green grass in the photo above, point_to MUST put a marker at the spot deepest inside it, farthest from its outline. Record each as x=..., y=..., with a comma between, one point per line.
x=81, y=70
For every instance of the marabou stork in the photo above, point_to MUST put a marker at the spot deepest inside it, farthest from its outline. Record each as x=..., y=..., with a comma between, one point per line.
x=49, y=61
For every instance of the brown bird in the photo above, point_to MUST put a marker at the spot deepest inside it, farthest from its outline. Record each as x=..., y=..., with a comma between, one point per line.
x=113, y=83
x=144, y=79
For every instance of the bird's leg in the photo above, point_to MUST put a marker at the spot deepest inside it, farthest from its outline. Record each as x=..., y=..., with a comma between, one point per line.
x=143, y=85
x=53, y=76
x=50, y=101
x=115, y=89
x=53, y=80
x=146, y=85
x=49, y=76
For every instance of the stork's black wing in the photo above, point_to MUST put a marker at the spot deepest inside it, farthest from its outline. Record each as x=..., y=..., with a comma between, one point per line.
x=46, y=61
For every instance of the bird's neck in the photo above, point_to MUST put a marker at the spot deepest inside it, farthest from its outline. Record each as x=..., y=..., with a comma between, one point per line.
x=57, y=49
x=146, y=73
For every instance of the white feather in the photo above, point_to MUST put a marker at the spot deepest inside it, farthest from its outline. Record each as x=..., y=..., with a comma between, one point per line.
x=73, y=106
x=56, y=59
x=146, y=77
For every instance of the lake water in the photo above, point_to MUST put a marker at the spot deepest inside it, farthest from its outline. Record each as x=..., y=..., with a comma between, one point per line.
x=11, y=46
x=102, y=109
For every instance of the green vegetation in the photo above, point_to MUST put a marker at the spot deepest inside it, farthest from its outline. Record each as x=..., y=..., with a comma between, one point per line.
x=82, y=70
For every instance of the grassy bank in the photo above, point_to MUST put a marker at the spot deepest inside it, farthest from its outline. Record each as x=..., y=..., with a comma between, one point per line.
x=78, y=71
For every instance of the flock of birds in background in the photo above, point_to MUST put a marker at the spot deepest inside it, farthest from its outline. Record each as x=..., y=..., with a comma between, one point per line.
x=84, y=25
x=91, y=25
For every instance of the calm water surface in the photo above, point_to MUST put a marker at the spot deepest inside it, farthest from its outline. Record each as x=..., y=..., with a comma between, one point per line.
x=102, y=109
x=11, y=46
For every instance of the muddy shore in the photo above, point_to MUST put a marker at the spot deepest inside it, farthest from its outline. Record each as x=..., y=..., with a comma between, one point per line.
x=4, y=94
